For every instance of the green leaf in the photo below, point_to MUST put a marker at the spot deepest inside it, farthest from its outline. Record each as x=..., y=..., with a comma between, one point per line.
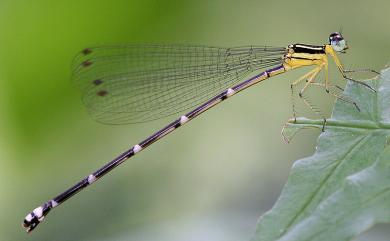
x=344, y=187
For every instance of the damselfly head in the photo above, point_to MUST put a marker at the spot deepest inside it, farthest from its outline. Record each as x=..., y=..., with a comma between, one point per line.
x=337, y=42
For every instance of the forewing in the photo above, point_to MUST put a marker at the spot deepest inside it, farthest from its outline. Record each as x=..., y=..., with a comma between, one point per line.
x=139, y=83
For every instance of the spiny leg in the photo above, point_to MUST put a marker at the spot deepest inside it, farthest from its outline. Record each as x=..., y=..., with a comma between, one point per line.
x=361, y=70
x=336, y=91
x=344, y=72
x=313, y=108
x=306, y=100
x=293, y=103
x=294, y=84
x=358, y=81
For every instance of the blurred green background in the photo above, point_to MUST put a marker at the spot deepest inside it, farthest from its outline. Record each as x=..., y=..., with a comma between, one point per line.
x=209, y=181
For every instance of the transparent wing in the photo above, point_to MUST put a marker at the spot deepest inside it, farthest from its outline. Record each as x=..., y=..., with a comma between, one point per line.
x=139, y=83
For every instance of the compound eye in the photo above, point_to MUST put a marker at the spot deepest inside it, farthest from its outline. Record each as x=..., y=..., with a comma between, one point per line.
x=339, y=45
x=337, y=42
x=335, y=37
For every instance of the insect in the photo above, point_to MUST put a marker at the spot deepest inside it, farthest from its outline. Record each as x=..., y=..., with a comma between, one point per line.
x=138, y=83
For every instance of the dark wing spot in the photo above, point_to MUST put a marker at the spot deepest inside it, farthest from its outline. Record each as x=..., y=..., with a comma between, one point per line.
x=86, y=51
x=97, y=82
x=86, y=63
x=102, y=93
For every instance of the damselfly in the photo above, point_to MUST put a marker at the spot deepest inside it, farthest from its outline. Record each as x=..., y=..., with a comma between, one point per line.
x=138, y=83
